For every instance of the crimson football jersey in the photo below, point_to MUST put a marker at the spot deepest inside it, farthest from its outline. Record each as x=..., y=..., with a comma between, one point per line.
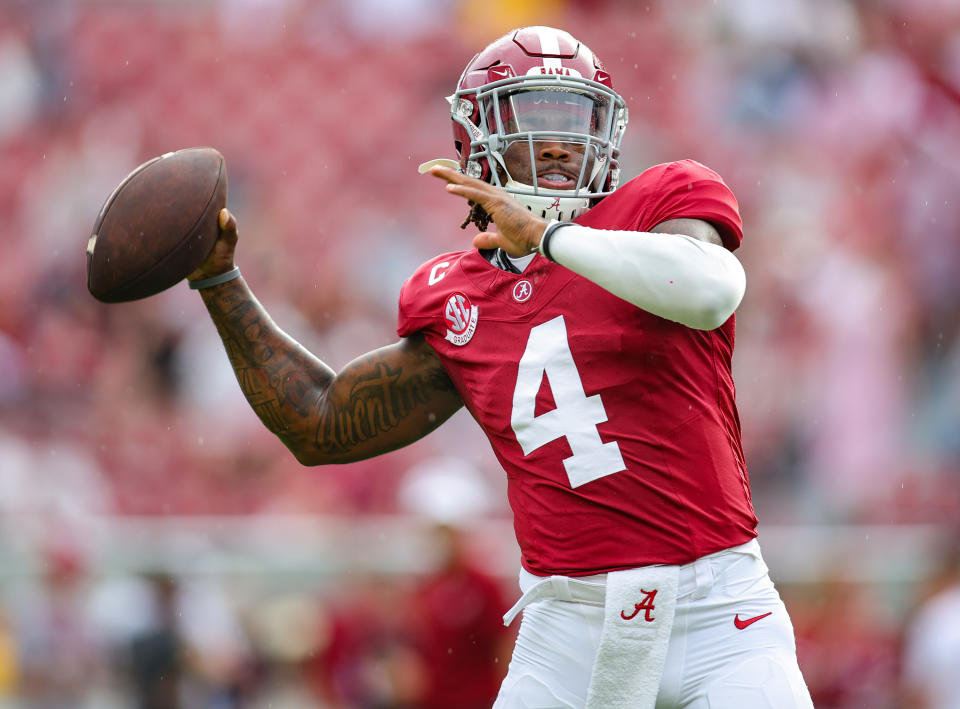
x=617, y=429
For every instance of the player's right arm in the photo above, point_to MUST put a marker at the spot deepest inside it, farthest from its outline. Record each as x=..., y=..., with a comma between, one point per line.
x=381, y=401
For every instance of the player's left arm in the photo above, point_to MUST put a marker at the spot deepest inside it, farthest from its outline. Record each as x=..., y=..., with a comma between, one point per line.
x=679, y=271
x=695, y=228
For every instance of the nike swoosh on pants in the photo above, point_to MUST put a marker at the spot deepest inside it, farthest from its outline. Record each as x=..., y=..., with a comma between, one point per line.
x=741, y=624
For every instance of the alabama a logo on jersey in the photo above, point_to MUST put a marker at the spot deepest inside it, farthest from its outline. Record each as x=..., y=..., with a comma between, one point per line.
x=461, y=317
x=522, y=291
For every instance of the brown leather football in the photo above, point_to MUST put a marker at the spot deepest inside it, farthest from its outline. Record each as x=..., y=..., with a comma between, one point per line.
x=157, y=226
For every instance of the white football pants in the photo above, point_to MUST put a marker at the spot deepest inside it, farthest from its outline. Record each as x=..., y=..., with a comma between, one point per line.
x=724, y=651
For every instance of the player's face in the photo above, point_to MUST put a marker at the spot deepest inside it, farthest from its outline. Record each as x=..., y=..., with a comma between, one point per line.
x=541, y=129
x=557, y=164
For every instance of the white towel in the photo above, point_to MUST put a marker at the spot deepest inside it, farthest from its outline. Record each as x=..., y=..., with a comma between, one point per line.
x=638, y=616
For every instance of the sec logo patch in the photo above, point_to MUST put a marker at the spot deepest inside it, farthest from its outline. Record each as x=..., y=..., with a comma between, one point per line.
x=461, y=316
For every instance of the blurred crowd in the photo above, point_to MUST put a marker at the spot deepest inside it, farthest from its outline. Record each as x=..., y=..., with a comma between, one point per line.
x=74, y=635
x=835, y=122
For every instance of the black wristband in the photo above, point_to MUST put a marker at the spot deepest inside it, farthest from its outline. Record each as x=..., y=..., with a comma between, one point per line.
x=548, y=233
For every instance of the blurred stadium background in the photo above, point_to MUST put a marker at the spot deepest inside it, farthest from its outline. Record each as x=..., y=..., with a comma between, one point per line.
x=156, y=542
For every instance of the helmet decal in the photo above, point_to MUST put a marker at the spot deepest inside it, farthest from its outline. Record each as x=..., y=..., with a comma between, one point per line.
x=546, y=70
x=545, y=42
x=551, y=54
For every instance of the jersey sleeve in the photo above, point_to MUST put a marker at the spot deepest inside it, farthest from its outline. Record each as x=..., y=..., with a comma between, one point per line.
x=419, y=302
x=688, y=190
x=407, y=321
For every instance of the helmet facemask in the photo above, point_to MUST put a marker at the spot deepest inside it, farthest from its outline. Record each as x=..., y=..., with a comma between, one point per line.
x=512, y=121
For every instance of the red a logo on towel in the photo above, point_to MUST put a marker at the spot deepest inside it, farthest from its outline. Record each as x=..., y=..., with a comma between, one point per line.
x=646, y=605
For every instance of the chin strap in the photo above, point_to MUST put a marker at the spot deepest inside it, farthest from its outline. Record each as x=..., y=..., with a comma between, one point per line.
x=548, y=206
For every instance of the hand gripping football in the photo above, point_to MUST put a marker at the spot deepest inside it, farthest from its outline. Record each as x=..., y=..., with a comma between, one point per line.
x=157, y=226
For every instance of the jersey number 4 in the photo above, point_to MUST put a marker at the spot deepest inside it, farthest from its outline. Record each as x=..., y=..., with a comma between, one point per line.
x=576, y=415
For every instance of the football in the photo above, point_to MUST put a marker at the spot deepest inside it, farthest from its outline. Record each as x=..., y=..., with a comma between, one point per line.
x=158, y=225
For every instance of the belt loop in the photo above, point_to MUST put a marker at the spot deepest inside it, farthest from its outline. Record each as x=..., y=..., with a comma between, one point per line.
x=703, y=578
x=561, y=588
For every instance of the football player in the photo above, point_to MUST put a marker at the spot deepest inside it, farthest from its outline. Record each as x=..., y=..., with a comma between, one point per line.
x=590, y=333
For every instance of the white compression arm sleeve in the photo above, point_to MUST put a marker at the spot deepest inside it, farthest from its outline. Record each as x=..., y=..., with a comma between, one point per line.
x=677, y=277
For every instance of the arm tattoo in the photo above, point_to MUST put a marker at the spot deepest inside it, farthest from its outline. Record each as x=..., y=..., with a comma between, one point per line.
x=378, y=402
x=280, y=379
x=290, y=390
